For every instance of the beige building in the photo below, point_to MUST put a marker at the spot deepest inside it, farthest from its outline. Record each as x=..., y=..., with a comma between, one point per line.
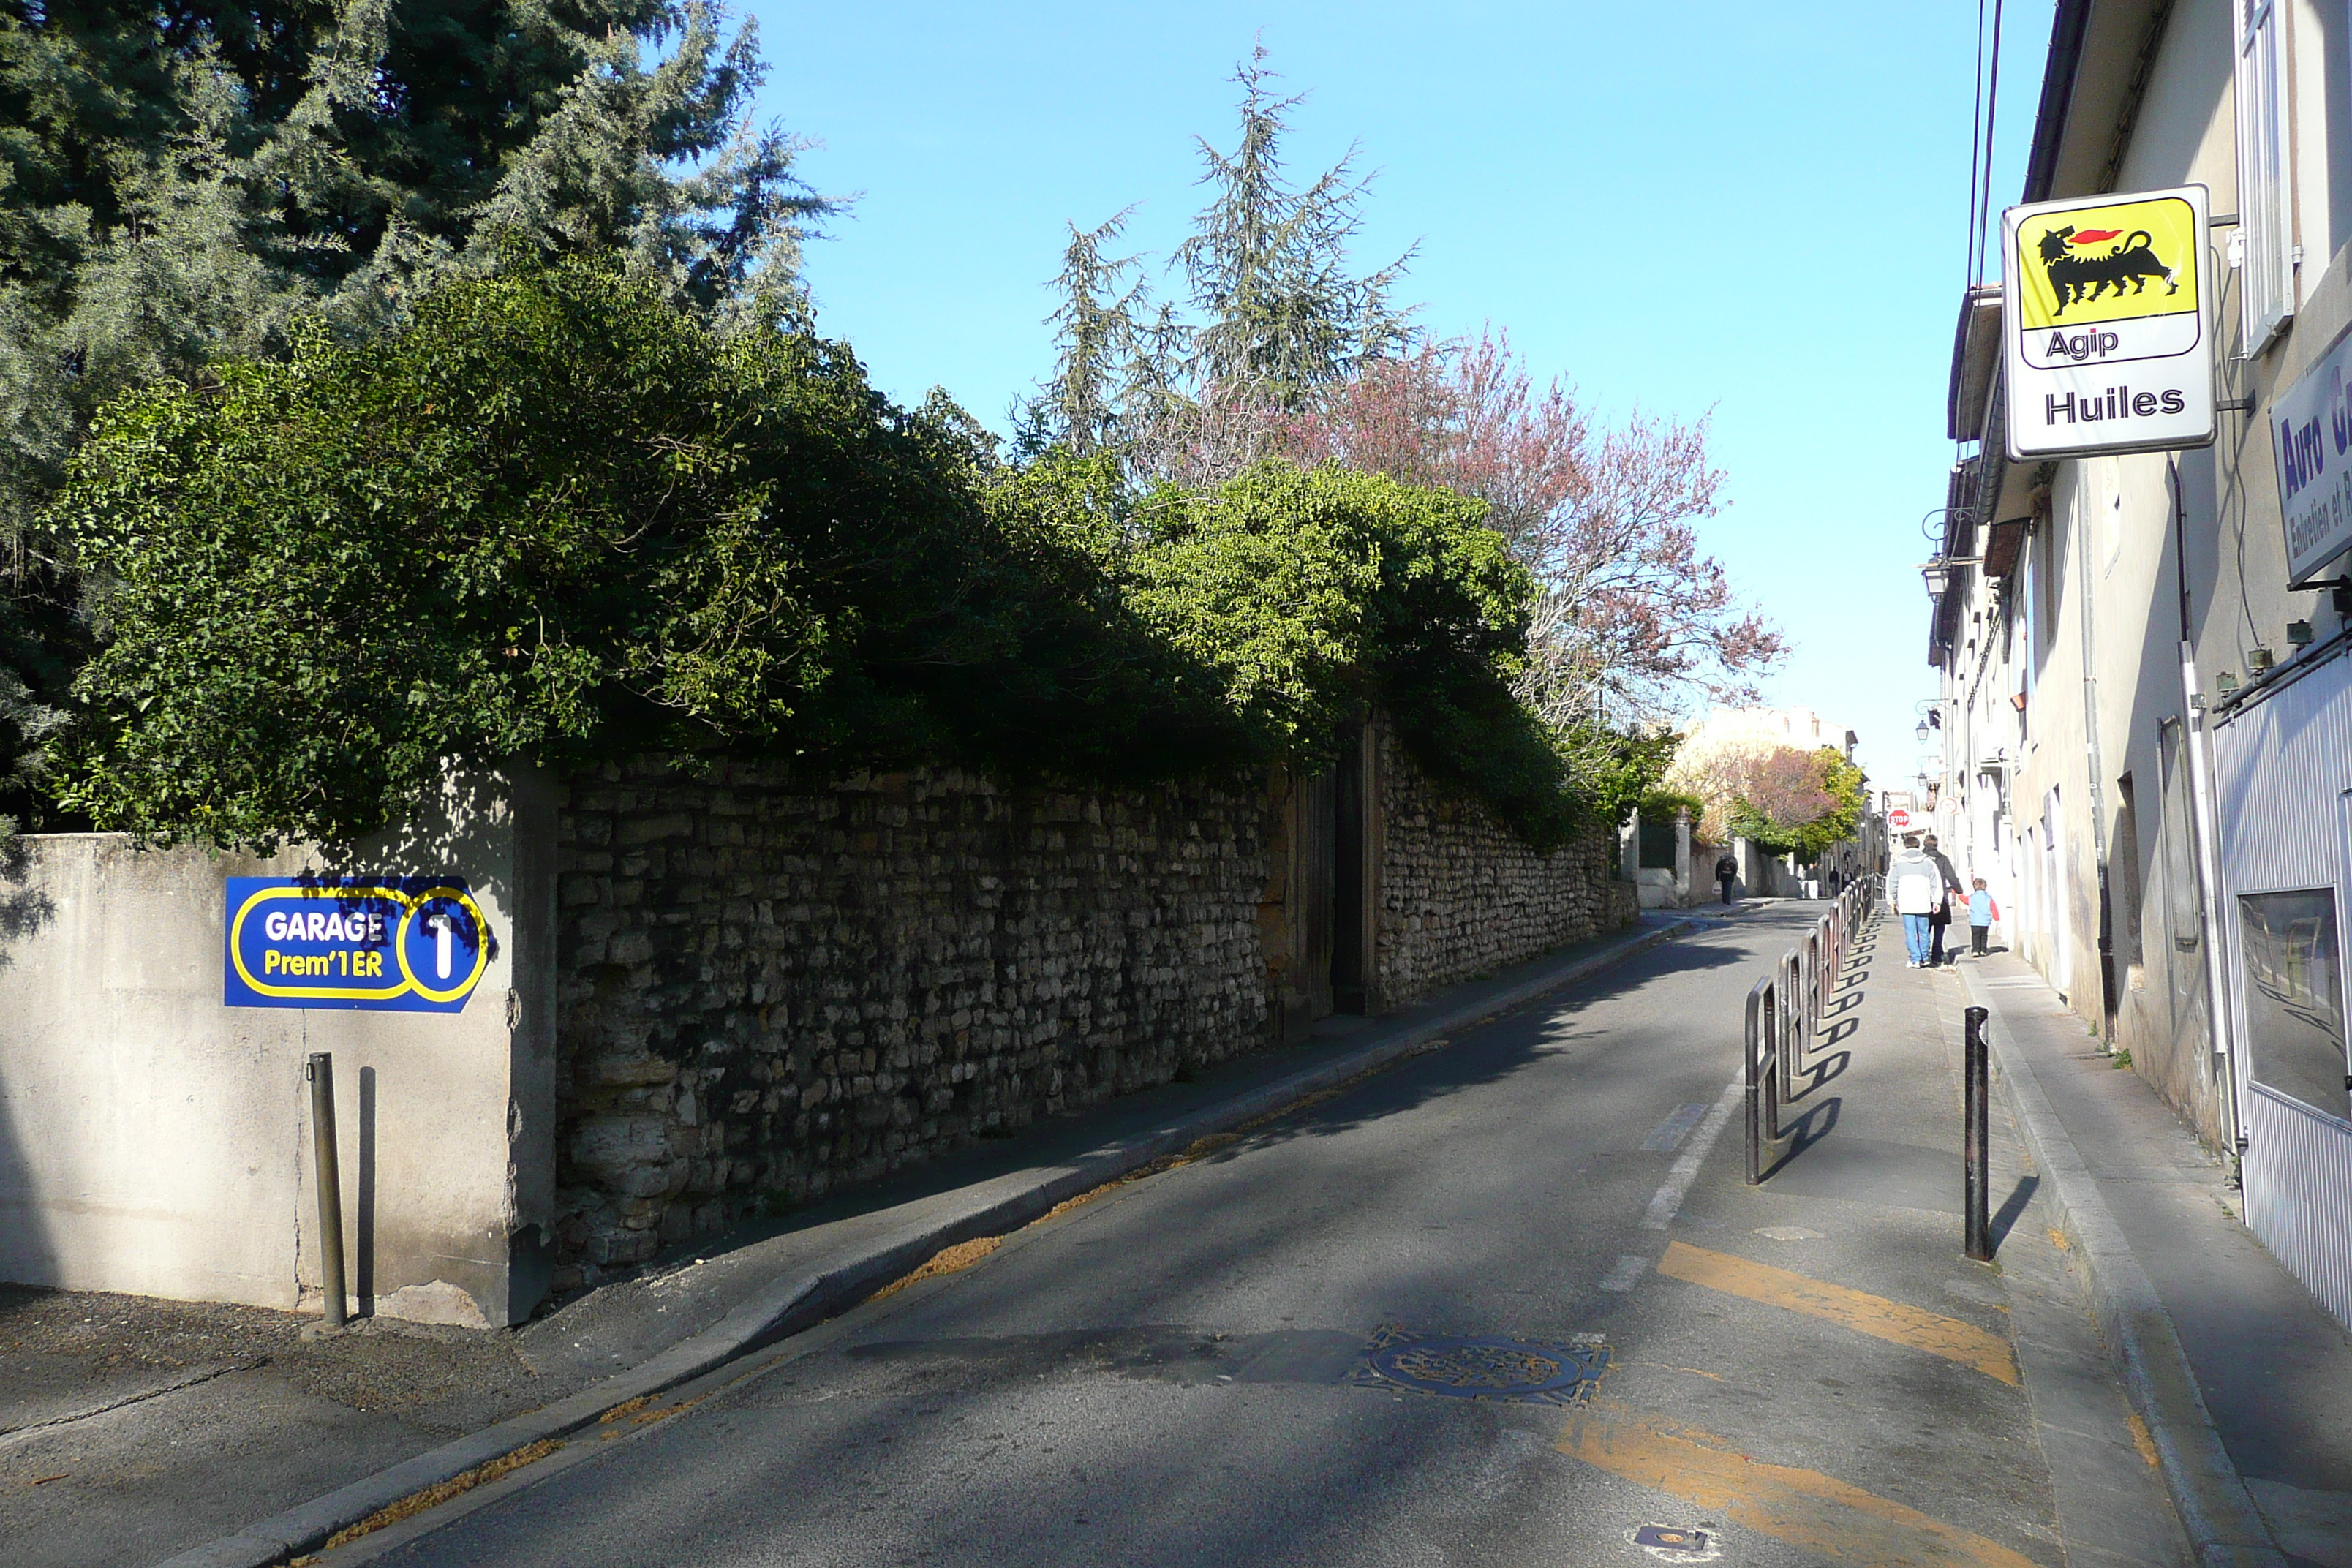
x=2146, y=731
x=1799, y=727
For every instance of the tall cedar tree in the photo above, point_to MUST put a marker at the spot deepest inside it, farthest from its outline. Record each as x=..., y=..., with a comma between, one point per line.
x=1273, y=314
x=179, y=182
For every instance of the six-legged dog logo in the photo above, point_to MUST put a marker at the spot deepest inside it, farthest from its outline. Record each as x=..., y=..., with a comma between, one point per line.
x=2079, y=274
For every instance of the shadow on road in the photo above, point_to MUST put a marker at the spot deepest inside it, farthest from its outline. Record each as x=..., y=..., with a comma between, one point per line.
x=2010, y=1208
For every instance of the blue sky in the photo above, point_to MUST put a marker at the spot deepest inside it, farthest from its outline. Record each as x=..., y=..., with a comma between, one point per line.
x=1757, y=211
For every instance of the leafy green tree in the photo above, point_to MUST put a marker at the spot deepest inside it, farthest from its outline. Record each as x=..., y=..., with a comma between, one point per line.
x=558, y=514
x=1798, y=802
x=1317, y=592
x=179, y=185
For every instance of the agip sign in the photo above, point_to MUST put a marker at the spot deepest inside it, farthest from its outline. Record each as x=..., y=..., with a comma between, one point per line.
x=2105, y=333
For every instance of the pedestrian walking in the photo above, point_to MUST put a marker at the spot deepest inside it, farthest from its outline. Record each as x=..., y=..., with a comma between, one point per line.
x=1942, y=915
x=1915, y=887
x=1727, y=871
x=1982, y=912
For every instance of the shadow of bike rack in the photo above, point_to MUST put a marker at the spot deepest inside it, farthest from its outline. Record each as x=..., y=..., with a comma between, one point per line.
x=1785, y=1011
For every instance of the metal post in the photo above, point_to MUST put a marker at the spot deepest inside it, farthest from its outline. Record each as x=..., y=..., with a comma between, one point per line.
x=1975, y=1155
x=319, y=1070
x=1751, y=1072
x=1791, y=1003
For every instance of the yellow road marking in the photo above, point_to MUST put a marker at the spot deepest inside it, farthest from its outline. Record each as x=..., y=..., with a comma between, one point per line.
x=1809, y=1511
x=1873, y=1315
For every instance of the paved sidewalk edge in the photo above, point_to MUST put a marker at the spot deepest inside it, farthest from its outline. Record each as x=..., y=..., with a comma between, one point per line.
x=2223, y=1525
x=801, y=1300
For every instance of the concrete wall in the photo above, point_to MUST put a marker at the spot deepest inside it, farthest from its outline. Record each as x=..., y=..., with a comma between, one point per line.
x=155, y=1142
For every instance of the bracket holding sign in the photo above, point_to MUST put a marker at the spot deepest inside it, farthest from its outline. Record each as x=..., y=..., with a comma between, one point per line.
x=402, y=945
x=2106, y=342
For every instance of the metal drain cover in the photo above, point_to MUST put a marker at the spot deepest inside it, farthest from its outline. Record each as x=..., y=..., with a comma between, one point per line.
x=1676, y=1543
x=1484, y=1366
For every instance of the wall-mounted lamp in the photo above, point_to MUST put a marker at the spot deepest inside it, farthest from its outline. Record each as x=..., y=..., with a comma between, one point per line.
x=2298, y=634
x=2260, y=660
x=2226, y=683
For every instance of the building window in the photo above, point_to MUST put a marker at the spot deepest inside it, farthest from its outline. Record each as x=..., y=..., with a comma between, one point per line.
x=2263, y=248
x=2294, y=995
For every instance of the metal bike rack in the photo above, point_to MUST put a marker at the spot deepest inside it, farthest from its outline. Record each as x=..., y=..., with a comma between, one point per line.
x=1785, y=1010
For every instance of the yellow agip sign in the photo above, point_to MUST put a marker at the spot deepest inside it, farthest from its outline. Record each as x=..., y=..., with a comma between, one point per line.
x=2107, y=346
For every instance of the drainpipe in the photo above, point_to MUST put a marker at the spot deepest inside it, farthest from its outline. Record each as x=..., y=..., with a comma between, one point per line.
x=2107, y=997
x=2208, y=872
x=2205, y=818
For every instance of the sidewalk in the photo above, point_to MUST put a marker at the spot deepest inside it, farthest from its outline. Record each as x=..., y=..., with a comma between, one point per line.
x=2274, y=1370
x=132, y=1429
x=2038, y=1463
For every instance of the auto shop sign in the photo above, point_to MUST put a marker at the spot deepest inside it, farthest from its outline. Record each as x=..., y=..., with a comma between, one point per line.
x=407, y=945
x=2106, y=341
x=2311, y=440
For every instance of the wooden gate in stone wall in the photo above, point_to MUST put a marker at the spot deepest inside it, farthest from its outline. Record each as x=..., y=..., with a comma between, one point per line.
x=1320, y=914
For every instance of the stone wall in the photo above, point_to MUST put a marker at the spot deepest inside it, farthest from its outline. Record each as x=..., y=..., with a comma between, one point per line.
x=767, y=991
x=1462, y=895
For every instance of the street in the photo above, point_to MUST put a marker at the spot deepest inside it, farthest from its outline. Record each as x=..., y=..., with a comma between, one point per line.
x=1181, y=1371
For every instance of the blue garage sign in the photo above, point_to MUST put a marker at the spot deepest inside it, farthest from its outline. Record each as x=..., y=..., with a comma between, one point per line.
x=402, y=945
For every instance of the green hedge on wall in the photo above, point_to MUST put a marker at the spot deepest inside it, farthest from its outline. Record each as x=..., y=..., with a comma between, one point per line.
x=559, y=517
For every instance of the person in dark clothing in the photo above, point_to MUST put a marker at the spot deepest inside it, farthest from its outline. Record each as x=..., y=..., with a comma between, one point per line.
x=1942, y=917
x=1727, y=871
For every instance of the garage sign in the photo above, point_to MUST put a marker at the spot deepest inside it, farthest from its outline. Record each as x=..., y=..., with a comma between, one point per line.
x=415, y=944
x=2105, y=323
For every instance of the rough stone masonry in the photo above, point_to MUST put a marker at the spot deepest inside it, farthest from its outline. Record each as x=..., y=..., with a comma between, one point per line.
x=769, y=990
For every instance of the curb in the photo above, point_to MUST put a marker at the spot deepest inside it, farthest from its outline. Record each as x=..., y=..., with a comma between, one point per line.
x=2216, y=1510
x=801, y=1300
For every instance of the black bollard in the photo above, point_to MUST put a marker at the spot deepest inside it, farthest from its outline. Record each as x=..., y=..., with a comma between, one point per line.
x=1974, y=1070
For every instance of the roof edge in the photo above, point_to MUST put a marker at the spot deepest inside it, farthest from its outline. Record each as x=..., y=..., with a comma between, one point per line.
x=2068, y=27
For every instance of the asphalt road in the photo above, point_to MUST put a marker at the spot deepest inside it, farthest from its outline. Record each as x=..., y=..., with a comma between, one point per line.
x=1181, y=1371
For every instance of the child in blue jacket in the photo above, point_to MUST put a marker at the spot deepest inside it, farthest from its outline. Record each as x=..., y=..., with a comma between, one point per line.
x=1982, y=912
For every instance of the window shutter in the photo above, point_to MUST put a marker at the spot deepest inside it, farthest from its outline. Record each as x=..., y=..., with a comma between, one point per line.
x=2266, y=271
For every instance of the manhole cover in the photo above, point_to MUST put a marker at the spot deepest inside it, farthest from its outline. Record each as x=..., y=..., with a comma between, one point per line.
x=1484, y=1366
x=1676, y=1543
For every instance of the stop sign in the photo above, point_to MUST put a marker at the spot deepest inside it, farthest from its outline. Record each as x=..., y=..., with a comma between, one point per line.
x=1899, y=818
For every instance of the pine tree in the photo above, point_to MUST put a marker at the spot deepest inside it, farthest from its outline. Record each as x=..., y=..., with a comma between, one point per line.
x=1266, y=263
x=1096, y=335
x=1276, y=316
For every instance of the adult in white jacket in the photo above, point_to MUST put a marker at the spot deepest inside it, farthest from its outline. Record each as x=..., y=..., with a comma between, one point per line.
x=1914, y=886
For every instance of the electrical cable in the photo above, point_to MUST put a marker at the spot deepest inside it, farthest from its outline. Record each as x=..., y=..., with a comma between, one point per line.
x=1991, y=124
x=1976, y=145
